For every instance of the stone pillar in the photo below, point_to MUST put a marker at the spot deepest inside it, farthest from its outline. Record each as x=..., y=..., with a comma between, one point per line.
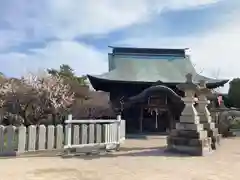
x=189, y=136
x=205, y=116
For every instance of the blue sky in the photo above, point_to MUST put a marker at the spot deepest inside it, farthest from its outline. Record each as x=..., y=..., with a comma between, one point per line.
x=43, y=34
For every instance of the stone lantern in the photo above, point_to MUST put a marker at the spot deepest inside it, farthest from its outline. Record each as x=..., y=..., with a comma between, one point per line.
x=189, y=136
x=205, y=116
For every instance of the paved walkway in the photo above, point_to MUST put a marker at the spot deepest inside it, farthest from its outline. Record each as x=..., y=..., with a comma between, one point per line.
x=140, y=159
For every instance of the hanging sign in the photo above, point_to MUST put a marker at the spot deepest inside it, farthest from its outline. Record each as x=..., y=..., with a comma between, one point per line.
x=157, y=100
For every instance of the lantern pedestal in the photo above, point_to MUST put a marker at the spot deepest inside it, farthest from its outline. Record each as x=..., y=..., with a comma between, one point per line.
x=189, y=136
x=205, y=116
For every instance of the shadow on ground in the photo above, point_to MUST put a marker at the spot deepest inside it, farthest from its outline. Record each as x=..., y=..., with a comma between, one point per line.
x=132, y=152
x=146, y=136
x=124, y=152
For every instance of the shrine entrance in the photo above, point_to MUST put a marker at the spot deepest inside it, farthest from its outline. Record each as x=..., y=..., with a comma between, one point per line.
x=155, y=121
x=155, y=115
x=156, y=109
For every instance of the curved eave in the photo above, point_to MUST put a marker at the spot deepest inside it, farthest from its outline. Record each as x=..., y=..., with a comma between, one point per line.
x=220, y=83
x=100, y=83
x=145, y=94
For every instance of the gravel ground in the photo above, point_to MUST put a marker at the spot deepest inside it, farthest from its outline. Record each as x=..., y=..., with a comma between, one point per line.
x=139, y=159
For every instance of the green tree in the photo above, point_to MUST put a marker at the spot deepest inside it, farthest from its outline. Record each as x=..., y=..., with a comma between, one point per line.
x=227, y=101
x=67, y=73
x=77, y=83
x=234, y=93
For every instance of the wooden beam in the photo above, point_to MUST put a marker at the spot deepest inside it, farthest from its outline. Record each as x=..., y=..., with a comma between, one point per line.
x=141, y=120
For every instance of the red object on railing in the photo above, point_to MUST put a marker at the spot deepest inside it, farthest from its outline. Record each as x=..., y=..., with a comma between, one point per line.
x=220, y=100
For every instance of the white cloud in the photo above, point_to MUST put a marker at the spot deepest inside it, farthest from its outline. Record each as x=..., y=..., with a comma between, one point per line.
x=182, y=4
x=83, y=59
x=106, y=15
x=67, y=19
x=220, y=50
x=9, y=38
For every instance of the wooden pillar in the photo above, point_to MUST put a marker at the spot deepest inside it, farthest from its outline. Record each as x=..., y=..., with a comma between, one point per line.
x=156, y=119
x=141, y=119
x=172, y=120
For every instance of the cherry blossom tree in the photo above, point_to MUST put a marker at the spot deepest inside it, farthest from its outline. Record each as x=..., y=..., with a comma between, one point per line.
x=53, y=88
x=33, y=98
x=10, y=107
x=54, y=96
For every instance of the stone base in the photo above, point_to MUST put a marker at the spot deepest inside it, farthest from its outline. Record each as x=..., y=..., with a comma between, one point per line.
x=215, y=136
x=216, y=140
x=190, y=146
x=187, y=150
x=189, y=126
x=189, y=134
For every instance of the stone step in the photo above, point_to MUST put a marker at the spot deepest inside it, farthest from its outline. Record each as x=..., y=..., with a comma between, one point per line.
x=189, y=141
x=190, y=119
x=208, y=126
x=193, y=151
x=189, y=134
x=189, y=126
